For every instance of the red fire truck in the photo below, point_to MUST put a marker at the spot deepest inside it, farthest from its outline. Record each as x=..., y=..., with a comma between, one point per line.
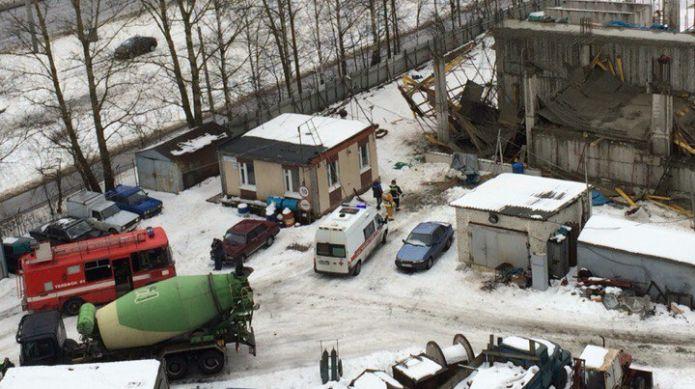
x=96, y=270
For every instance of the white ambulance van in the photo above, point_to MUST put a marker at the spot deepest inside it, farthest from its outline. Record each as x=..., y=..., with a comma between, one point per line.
x=345, y=240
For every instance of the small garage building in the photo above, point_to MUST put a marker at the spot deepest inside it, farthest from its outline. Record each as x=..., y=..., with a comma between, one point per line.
x=643, y=253
x=512, y=216
x=181, y=162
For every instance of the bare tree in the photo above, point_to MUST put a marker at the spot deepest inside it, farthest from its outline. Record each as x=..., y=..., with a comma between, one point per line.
x=278, y=29
x=295, y=51
x=376, y=38
x=54, y=101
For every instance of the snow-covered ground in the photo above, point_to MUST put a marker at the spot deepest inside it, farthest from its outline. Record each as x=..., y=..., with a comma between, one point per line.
x=384, y=314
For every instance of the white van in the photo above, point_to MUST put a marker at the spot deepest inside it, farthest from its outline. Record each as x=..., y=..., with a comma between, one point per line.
x=347, y=238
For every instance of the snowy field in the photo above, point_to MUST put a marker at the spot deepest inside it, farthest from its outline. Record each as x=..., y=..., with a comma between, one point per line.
x=384, y=314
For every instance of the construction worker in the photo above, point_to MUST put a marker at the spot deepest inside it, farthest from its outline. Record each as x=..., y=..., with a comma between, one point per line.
x=396, y=193
x=389, y=205
x=377, y=191
x=4, y=365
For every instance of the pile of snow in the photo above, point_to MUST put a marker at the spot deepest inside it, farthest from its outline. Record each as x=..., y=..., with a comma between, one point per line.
x=499, y=376
x=308, y=130
x=195, y=144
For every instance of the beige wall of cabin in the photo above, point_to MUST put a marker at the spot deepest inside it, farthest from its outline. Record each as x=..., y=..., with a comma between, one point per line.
x=270, y=178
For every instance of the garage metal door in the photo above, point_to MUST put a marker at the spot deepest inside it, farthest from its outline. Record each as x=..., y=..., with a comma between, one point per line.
x=492, y=246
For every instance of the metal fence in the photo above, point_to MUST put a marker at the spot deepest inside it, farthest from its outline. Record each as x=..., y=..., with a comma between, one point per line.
x=316, y=100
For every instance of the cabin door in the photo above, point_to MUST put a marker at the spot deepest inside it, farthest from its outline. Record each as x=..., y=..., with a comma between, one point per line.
x=122, y=276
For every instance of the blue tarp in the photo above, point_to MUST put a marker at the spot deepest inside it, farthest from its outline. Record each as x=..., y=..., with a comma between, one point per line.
x=597, y=198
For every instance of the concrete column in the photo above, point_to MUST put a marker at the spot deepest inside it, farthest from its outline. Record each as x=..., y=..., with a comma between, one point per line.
x=530, y=93
x=662, y=124
x=585, y=55
x=672, y=15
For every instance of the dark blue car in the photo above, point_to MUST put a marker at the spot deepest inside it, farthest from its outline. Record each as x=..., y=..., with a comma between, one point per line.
x=424, y=245
x=134, y=199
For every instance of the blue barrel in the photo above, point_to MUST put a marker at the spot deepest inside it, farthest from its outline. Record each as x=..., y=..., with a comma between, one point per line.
x=518, y=168
x=274, y=200
x=243, y=209
x=292, y=204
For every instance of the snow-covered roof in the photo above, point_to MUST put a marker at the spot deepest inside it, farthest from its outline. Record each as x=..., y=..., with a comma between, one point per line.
x=314, y=130
x=140, y=374
x=522, y=195
x=593, y=356
x=640, y=238
x=195, y=144
x=418, y=367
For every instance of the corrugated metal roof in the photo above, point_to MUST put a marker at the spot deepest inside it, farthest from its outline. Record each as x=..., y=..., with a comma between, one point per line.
x=522, y=195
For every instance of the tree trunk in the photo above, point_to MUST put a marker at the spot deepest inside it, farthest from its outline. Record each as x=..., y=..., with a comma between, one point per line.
x=222, y=52
x=94, y=99
x=280, y=42
x=90, y=180
x=160, y=12
x=196, y=90
x=341, y=37
x=394, y=24
x=386, y=28
x=376, y=40
x=297, y=72
x=318, y=41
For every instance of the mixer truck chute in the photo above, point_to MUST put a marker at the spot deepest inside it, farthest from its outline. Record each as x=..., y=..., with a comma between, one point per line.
x=185, y=321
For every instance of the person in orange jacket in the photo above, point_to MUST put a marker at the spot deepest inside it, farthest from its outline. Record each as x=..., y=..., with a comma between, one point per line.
x=389, y=205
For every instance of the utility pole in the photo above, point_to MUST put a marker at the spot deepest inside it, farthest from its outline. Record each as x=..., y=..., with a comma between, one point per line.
x=440, y=91
x=32, y=27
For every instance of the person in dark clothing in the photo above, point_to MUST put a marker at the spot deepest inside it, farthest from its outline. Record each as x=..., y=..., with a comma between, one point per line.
x=396, y=193
x=6, y=364
x=217, y=253
x=378, y=192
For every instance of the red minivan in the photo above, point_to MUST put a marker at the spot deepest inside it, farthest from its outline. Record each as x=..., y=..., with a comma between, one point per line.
x=247, y=236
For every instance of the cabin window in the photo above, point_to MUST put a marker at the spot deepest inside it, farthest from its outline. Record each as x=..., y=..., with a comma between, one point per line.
x=291, y=175
x=150, y=259
x=97, y=270
x=247, y=174
x=332, y=171
x=364, y=156
x=369, y=230
x=330, y=250
x=74, y=269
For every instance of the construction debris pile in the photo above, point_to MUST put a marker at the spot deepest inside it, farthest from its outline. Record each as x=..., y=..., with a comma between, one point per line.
x=475, y=123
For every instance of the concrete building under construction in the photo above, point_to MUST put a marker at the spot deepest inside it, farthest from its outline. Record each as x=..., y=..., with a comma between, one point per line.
x=614, y=102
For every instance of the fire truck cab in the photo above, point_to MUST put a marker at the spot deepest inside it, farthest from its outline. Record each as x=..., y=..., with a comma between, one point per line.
x=97, y=270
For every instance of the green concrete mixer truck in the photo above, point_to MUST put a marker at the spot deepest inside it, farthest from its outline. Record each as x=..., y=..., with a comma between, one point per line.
x=185, y=321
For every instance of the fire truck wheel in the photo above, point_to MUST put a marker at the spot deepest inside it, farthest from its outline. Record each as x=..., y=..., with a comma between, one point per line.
x=72, y=306
x=176, y=366
x=210, y=361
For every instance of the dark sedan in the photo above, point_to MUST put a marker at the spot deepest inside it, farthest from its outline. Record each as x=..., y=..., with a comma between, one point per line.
x=424, y=245
x=135, y=46
x=65, y=230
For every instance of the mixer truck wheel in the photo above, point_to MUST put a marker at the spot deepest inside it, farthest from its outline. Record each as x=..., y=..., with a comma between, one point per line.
x=72, y=306
x=176, y=366
x=210, y=362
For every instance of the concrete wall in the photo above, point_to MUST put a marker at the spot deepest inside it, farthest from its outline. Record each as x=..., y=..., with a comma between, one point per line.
x=604, y=11
x=575, y=15
x=604, y=262
x=615, y=163
x=538, y=230
x=485, y=165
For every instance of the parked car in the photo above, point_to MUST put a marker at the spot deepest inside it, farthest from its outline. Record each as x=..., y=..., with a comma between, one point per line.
x=135, y=46
x=134, y=199
x=103, y=214
x=424, y=245
x=65, y=230
x=246, y=237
